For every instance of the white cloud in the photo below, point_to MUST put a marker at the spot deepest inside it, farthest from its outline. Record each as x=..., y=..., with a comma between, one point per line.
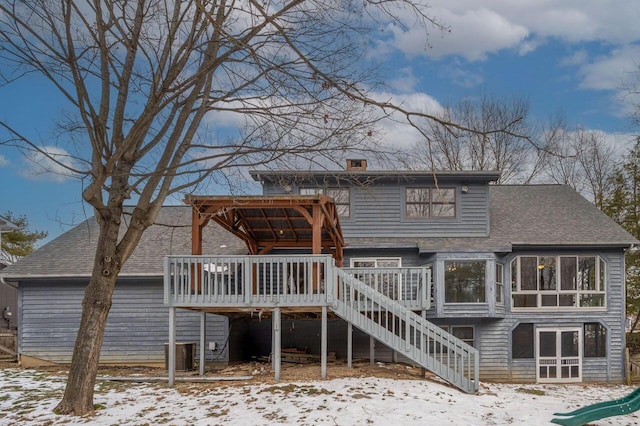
x=3, y=161
x=611, y=71
x=462, y=77
x=397, y=133
x=481, y=27
x=51, y=163
x=577, y=58
x=405, y=81
x=617, y=72
x=474, y=34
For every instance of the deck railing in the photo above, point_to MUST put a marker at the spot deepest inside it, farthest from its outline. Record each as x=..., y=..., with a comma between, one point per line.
x=256, y=281
x=411, y=335
x=263, y=281
x=411, y=287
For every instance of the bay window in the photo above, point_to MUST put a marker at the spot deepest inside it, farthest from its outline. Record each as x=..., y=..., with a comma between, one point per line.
x=558, y=282
x=464, y=281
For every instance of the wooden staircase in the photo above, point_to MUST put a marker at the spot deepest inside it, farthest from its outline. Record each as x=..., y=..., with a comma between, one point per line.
x=423, y=342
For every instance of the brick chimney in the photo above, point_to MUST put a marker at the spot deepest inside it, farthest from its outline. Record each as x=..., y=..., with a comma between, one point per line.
x=357, y=165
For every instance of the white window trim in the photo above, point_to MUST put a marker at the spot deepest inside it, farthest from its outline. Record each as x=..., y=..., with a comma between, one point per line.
x=499, y=294
x=539, y=359
x=558, y=291
x=375, y=261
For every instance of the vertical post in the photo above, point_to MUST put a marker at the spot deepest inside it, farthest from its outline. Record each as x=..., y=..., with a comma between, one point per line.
x=167, y=281
x=349, y=344
x=372, y=350
x=203, y=338
x=316, y=243
x=172, y=347
x=423, y=358
x=197, y=223
x=323, y=344
x=277, y=329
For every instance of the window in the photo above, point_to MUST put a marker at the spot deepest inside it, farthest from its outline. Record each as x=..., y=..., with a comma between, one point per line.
x=464, y=281
x=311, y=191
x=464, y=333
x=558, y=282
x=341, y=200
x=499, y=283
x=376, y=262
x=595, y=340
x=386, y=278
x=430, y=202
x=522, y=341
x=340, y=197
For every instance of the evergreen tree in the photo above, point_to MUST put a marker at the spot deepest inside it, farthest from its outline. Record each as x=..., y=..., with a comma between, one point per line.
x=623, y=206
x=21, y=241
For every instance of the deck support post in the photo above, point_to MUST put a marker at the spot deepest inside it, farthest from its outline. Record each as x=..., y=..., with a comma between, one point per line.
x=423, y=350
x=171, y=361
x=203, y=338
x=277, y=342
x=323, y=344
x=349, y=345
x=372, y=350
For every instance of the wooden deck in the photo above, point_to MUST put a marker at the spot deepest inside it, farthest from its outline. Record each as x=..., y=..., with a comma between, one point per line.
x=295, y=284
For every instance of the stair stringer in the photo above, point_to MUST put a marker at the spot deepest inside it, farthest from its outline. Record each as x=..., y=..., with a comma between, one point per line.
x=409, y=334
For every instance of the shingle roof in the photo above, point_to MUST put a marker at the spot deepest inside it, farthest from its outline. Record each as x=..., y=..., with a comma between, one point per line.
x=528, y=215
x=71, y=254
x=531, y=215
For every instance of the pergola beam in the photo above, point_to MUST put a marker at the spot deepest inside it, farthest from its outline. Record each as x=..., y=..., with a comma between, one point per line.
x=265, y=223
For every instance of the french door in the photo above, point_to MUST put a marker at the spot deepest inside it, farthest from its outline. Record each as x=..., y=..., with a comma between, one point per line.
x=559, y=355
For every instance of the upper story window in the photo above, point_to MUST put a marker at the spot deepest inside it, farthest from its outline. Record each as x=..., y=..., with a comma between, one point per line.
x=464, y=281
x=563, y=282
x=430, y=202
x=341, y=198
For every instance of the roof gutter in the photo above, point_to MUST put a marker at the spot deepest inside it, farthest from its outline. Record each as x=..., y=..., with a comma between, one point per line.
x=2, y=281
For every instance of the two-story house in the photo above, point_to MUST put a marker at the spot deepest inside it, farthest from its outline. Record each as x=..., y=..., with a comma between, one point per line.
x=530, y=275
x=444, y=269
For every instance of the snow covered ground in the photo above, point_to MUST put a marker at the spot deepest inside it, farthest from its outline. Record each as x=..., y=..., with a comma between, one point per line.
x=27, y=397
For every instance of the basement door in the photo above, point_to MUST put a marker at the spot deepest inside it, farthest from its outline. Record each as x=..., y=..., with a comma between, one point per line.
x=559, y=355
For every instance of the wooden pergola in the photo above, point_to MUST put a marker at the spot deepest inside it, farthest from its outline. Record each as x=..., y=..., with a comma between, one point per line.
x=265, y=223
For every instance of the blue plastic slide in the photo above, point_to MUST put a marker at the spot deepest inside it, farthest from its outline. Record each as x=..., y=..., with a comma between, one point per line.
x=601, y=410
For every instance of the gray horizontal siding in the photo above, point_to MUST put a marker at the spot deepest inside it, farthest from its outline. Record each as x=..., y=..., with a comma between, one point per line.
x=495, y=340
x=137, y=328
x=378, y=211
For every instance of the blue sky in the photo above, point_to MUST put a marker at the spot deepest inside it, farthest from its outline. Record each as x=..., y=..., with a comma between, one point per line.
x=569, y=56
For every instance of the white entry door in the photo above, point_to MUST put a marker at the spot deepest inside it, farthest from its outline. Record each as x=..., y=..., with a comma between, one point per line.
x=559, y=355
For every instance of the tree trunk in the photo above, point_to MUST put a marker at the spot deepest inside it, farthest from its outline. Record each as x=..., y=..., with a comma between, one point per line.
x=78, y=396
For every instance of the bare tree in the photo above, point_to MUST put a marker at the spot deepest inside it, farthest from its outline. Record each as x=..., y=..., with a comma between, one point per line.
x=147, y=84
x=478, y=146
x=598, y=162
x=582, y=160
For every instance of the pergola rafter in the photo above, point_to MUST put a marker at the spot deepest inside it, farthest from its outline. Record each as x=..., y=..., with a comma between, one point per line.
x=265, y=223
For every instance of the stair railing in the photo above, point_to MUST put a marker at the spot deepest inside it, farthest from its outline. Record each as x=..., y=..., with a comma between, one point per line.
x=406, y=332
